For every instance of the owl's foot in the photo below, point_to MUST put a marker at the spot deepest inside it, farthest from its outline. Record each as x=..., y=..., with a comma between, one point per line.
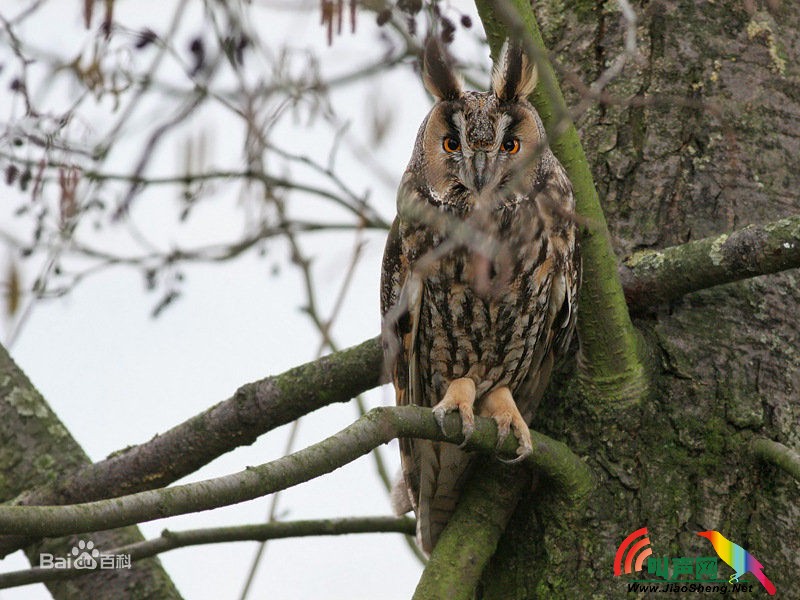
x=499, y=405
x=460, y=396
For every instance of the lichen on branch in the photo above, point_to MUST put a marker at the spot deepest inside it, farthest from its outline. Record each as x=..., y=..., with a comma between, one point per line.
x=651, y=277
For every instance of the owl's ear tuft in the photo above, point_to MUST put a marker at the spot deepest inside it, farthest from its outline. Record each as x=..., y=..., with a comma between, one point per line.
x=437, y=72
x=514, y=75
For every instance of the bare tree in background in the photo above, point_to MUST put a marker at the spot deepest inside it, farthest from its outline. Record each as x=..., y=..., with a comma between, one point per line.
x=689, y=117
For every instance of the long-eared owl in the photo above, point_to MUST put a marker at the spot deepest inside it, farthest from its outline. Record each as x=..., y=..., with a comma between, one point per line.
x=480, y=274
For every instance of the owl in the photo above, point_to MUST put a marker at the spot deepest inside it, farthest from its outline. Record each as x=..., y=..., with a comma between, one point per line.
x=480, y=274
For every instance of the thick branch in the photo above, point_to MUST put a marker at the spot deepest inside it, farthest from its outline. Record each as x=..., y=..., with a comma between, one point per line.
x=609, y=343
x=779, y=455
x=471, y=536
x=254, y=409
x=170, y=540
x=379, y=426
x=652, y=277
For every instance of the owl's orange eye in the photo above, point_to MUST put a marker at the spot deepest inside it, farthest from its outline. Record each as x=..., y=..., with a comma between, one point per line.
x=511, y=146
x=451, y=145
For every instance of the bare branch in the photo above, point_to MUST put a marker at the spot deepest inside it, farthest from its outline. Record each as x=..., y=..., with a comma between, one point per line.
x=42, y=448
x=554, y=459
x=170, y=540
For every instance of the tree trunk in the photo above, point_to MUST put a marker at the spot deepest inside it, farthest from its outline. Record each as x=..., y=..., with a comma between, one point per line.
x=37, y=449
x=715, y=147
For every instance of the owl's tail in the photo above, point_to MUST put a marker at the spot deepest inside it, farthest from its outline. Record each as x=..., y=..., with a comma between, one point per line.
x=400, y=497
x=443, y=469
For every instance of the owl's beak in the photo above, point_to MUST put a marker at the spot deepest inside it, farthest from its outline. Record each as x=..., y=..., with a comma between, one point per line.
x=479, y=167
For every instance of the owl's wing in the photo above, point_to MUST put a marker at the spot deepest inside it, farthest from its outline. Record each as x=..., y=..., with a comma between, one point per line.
x=396, y=324
x=400, y=308
x=564, y=284
x=564, y=323
x=569, y=266
x=401, y=299
x=433, y=472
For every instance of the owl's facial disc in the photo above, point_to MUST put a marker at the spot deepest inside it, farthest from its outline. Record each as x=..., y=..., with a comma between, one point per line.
x=477, y=148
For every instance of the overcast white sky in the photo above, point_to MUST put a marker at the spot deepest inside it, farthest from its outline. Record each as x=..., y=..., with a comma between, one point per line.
x=116, y=377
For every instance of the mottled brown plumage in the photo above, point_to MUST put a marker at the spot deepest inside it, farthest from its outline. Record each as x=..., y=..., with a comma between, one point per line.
x=480, y=275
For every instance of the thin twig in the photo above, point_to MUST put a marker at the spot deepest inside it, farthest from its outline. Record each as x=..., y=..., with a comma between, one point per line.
x=171, y=540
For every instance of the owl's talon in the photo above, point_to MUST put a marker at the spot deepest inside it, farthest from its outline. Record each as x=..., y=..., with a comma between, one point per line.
x=499, y=405
x=460, y=396
x=523, y=452
x=467, y=428
x=439, y=413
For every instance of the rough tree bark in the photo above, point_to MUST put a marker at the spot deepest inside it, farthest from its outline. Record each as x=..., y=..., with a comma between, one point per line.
x=726, y=362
